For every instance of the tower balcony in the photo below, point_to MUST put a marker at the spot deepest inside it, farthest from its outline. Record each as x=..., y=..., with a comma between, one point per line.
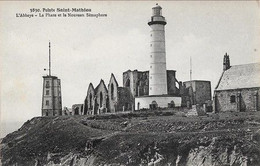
x=157, y=20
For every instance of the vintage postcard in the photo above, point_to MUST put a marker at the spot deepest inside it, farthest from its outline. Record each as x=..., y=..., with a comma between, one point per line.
x=130, y=83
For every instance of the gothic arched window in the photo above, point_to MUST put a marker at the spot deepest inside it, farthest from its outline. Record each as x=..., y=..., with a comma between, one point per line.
x=101, y=99
x=90, y=101
x=112, y=91
x=127, y=83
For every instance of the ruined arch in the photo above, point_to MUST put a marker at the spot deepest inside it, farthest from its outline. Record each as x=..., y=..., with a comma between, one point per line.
x=96, y=106
x=127, y=84
x=126, y=106
x=112, y=91
x=107, y=104
x=90, y=101
x=76, y=111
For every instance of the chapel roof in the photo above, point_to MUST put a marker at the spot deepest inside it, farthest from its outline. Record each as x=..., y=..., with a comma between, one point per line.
x=239, y=77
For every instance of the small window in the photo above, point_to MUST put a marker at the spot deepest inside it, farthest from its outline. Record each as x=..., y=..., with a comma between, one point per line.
x=232, y=99
x=150, y=66
x=151, y=56
x=47, y=102
x=151, y=45
x=47, y=84
x=151, y=35
x=47, y=92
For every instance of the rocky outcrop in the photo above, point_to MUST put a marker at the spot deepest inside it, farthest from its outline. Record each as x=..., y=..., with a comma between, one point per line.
x=69, y=160
x=212, y=155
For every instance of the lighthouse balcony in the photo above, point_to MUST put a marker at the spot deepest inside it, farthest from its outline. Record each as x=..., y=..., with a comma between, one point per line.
x=157, y=20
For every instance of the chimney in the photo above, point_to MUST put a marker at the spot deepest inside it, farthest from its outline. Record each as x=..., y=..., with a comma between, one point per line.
x=226, y=62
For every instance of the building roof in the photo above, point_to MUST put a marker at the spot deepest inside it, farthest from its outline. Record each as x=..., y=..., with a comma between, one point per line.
x=239, y=77
x=157, y=6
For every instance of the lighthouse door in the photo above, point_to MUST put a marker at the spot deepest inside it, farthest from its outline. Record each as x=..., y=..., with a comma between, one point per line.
x=171, y=104
x=154, y=105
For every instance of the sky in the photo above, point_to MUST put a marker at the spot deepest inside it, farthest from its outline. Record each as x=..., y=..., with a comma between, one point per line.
x=87, y=49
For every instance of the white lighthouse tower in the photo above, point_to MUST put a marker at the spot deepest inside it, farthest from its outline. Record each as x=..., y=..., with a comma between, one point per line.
x=157, y=71
x=158, y=91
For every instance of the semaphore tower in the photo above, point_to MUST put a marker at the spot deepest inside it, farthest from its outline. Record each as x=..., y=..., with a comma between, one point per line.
x=51, y=95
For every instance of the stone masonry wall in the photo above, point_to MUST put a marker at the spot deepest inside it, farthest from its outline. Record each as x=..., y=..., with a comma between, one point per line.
x=101, y=99
x=203, y=92
x=112, y=94
x=249, y=100
x=125, y=100
x=137, y=82
x=199, y=91
x=171, y=87
x=90, y=100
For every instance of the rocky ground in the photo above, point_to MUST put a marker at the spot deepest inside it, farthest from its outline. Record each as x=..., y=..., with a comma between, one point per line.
x=157, y=138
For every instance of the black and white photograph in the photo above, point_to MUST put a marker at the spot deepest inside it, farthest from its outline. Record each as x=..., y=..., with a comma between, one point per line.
x=130, y=83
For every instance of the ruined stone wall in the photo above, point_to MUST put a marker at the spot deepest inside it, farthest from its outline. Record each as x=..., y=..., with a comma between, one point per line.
x=137, y=82
x=203, y=92
x=89, y=102
x=129, y=81
x=199, y=91
x=101, y=100
x=171, y=83
x=142, y=83
x=77, y=109
x=125, y=100
x=112, y=95
x=244, y=100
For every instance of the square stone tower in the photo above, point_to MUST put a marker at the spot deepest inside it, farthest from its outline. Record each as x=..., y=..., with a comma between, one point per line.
x=51, y=95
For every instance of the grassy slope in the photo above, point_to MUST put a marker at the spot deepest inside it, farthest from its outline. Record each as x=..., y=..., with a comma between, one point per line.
x=171, y=136
x=135, y=140
x=39, y=136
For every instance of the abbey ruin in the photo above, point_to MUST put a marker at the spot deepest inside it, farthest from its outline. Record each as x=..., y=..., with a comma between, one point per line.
x=158, y=88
